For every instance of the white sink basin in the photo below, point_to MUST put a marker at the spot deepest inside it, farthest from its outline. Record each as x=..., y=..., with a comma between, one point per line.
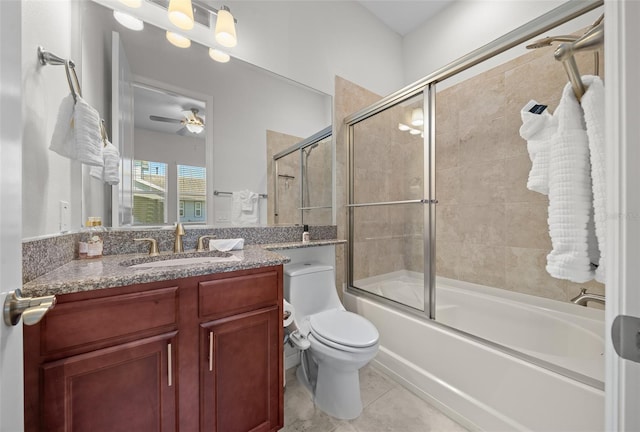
x=181, y=260
x=186, y=261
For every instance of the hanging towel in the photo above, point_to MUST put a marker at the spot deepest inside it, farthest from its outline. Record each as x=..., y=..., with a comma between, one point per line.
x=538, y=127
x=570, y=219
x=76, y=134
x=88, y=138
x=593, y=106
x=244, y=208
x=110, y=172
x=63, y=140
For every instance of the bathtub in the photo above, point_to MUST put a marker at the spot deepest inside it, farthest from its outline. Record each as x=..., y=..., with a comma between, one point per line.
x=542, y=368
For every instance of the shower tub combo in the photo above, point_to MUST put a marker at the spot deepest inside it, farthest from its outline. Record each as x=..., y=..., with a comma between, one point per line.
x=492, y=357
x=484, y=386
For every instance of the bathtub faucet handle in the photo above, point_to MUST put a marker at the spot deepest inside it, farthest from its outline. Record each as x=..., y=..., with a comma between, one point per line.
x=584, y=297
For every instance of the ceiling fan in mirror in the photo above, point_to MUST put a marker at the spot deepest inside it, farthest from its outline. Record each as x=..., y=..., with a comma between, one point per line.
x=192, y=123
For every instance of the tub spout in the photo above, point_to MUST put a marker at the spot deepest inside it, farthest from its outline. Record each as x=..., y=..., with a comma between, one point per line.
x=584, y=297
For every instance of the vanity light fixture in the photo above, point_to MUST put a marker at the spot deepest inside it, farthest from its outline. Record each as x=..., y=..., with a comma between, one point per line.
x=178, y=40
x=226, y=28
x=219, y=56
x=181, y=13
x=417, y=118
x=415, y=131
x=403, y=127
x=132, y=3
x=128, y=21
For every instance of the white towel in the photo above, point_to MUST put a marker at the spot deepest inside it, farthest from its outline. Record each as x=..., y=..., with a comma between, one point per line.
x=538, y=129
x=110, y=172
x=244, y=208
x=593, y=106
x=570, y=219
x=76, y=134
x=225, y=245
x=87, y=134
x=63, y=140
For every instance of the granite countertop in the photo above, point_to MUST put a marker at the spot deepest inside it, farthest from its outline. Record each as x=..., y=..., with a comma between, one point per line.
x=108, y=271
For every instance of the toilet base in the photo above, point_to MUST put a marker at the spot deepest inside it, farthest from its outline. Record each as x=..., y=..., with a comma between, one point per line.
x=337, y=392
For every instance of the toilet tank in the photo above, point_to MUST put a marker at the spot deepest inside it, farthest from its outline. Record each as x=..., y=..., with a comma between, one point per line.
x=310, y=288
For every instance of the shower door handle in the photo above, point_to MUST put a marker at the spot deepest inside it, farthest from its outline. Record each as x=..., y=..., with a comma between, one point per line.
x=625, y=335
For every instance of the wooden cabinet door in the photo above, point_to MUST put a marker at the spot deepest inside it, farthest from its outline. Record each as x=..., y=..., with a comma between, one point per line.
x=241, y=373
x=127, y=387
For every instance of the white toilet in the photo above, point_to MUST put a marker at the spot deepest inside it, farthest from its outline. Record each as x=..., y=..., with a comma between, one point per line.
x=341, y=342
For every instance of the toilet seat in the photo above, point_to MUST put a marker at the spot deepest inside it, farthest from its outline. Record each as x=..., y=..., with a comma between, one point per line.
x=343, y=330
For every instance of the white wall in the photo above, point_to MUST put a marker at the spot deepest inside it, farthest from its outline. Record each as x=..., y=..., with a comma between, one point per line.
x=467, y=25
x=168, y=148
x=47, y=177
x=312, y=41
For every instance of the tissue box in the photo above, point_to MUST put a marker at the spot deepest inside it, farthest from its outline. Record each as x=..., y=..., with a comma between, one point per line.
x=225, y=245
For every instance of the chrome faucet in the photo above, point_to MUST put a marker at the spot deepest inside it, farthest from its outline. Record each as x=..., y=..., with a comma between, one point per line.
x=584, y=297
x=177, y=245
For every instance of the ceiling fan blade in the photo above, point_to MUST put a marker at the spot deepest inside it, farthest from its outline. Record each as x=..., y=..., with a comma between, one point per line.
x=164, y=119
x=183, y=132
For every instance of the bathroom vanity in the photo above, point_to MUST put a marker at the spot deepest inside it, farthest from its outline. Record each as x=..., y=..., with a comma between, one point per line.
x=192, y=353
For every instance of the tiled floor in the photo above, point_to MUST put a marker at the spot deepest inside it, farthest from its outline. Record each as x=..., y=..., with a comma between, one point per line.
x=388, y=407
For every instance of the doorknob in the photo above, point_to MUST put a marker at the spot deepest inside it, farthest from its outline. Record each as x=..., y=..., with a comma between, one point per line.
x=31, y=309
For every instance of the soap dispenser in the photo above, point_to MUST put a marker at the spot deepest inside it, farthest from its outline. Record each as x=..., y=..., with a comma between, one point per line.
x=305, y=234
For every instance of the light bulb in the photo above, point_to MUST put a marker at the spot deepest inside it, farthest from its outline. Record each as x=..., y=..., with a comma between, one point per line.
x=226, y=28
x=218, y=55
x=128, y=21
x=194, y=128
x=181, y=14
x=417, y=119
x=178, y=40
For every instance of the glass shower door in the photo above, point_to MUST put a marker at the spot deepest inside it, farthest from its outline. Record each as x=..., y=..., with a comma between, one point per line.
x=387, y=210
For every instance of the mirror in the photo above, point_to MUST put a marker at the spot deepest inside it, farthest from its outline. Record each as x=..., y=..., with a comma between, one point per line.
x=302, y=179
x=242, y=103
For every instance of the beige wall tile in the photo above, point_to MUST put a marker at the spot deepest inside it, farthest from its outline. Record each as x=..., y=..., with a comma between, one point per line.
x=483, y=184
x=448, y=185
x=527, y=225
x=482, y=141
x=516, y=176
x=482, y=224
x=525, y=273
x=482, y=264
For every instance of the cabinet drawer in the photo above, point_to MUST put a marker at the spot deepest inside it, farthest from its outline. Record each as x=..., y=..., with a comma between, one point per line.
x=237, y=294
x=83, y=325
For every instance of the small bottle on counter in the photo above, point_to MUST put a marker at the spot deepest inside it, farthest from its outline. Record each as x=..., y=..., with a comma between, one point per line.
x=94, y=249
x=305, y=234
x=91, y=244
x=83, y=244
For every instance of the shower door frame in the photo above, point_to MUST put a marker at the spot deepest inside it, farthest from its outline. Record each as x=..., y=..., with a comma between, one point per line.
x=307, y=142
x=427, y=86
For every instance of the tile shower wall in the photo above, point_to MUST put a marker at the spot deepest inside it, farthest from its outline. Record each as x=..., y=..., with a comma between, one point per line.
x=491, y=229
x=388, y=166
x=288, y=188
x=316, y=183
x=349, y=98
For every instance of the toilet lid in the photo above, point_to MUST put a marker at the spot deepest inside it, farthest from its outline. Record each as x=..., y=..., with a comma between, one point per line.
x=344, y=328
